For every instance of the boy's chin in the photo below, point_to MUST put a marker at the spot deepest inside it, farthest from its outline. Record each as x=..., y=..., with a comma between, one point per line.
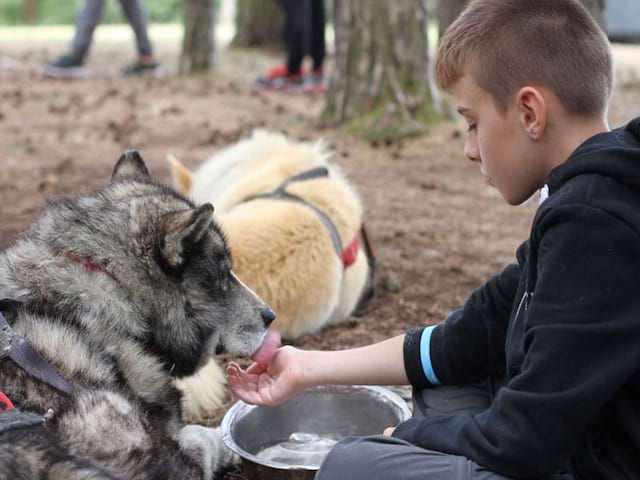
x=517, y=198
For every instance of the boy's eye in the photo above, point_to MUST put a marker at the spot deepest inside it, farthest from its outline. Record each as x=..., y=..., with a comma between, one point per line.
x=471, y=128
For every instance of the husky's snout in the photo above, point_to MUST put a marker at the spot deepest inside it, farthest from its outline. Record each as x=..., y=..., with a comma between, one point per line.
x=249, y=316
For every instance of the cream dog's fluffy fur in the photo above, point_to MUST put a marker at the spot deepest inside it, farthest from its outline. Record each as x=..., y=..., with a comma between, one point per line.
x=280, y=248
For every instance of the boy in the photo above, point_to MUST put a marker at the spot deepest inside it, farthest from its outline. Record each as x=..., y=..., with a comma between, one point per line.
x=561, y=328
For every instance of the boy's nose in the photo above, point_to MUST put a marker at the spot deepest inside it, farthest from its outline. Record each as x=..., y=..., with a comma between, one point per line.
x=470, y=153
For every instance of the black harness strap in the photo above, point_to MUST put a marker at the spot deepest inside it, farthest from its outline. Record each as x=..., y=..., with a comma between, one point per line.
x=281, y=193
x=17, y=419
x=26, y=357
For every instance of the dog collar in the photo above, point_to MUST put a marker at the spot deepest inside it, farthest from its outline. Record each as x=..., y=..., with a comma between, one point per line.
x=87, y=263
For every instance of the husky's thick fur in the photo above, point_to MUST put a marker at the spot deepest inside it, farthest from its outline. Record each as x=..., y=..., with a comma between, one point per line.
x=121, y=291
x=281, y=248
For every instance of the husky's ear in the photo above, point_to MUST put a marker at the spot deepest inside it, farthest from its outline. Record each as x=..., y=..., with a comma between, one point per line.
x=130, y=165
x=180, y=231
x=181, y=177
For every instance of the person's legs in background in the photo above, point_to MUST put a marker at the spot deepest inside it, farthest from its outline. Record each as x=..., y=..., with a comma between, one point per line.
x=317, y=47
x=294, y=34
x=72, y=64
x=136, y=15
x=294, y=31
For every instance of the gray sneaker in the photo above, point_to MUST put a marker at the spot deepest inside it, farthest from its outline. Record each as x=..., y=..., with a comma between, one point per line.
x=67, y=66
x=141, y=69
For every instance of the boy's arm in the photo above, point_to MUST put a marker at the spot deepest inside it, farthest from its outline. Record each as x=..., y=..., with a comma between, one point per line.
x=290, y=371
x=469, y=345
x=580, y=343
x=377, y=364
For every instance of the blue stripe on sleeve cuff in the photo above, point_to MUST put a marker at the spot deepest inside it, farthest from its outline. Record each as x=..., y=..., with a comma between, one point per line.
x=425, y=355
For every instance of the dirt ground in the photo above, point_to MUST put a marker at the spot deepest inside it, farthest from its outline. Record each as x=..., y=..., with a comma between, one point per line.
x=438, y=229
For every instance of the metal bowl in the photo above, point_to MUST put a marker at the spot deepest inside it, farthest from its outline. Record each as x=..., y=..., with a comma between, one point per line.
x=288, y=442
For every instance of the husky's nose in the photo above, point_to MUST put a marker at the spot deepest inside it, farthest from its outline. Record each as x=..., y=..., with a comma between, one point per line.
x=267, y=316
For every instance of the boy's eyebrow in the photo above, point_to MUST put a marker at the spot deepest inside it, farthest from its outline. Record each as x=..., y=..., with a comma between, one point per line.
x=463, y=110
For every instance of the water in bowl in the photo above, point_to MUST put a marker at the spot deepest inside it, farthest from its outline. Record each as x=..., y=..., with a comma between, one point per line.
x=300, y=448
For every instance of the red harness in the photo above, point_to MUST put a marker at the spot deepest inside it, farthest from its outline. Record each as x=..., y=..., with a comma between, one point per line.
x=349, y=254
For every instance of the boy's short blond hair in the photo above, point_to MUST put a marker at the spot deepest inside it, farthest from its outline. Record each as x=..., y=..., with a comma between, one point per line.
x=507, y=44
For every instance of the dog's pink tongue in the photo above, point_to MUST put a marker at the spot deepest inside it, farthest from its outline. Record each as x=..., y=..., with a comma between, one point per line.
x=268, y=348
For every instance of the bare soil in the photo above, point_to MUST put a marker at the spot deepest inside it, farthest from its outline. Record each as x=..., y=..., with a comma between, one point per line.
x=438, y=229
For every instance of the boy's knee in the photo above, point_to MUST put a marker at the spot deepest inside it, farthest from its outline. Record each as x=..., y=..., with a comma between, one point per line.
x=348, y=459
x=355, y=458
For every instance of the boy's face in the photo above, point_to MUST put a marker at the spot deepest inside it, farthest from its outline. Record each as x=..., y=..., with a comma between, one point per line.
x=498, y=141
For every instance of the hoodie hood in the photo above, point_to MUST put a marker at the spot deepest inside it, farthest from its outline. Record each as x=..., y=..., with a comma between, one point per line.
x=614, y=154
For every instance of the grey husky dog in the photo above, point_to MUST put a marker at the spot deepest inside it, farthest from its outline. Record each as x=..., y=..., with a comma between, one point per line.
x=108, y=298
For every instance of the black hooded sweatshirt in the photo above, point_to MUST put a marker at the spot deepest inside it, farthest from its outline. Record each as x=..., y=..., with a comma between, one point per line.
x=563, y=328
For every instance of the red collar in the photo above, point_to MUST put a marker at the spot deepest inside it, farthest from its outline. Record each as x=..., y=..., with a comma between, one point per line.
x=87, y=263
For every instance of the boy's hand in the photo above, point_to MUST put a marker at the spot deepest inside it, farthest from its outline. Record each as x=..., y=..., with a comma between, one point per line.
x=269, y=384
x=389, y=431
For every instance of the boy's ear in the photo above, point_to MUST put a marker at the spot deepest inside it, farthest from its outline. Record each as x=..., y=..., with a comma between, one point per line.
x=181, y=176
x=533, y=109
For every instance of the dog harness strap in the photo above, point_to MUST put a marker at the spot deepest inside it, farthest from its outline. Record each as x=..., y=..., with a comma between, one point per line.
x=26, y=357
x=17, y=419
x=281, y=193
x=347, y=255
x=306, y=175
x=324, y=218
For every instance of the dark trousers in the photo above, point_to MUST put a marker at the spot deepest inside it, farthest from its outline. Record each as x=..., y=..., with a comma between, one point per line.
x=303, y=32
x=387, y=458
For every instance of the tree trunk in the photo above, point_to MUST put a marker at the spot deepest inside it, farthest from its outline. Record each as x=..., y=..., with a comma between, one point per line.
x=29, y=11
x=448, y=11
x=598, y=9
x=197, y=42
x=258, y=24
x=381, y=66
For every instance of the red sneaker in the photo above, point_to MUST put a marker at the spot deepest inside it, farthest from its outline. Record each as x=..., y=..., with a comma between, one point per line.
x=279, y=79
x=314, y=81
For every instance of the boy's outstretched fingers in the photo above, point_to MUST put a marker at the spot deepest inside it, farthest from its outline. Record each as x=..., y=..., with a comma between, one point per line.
x=242, y=384
x=271, y=383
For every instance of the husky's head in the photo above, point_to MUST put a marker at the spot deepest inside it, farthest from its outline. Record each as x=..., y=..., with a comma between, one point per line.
x=168, y=280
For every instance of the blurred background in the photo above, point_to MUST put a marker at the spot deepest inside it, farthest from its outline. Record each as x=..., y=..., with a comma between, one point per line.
x=438, y=228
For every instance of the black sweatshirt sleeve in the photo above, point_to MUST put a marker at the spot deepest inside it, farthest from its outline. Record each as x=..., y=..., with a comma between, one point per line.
x=581, y=345
x=469, y=345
